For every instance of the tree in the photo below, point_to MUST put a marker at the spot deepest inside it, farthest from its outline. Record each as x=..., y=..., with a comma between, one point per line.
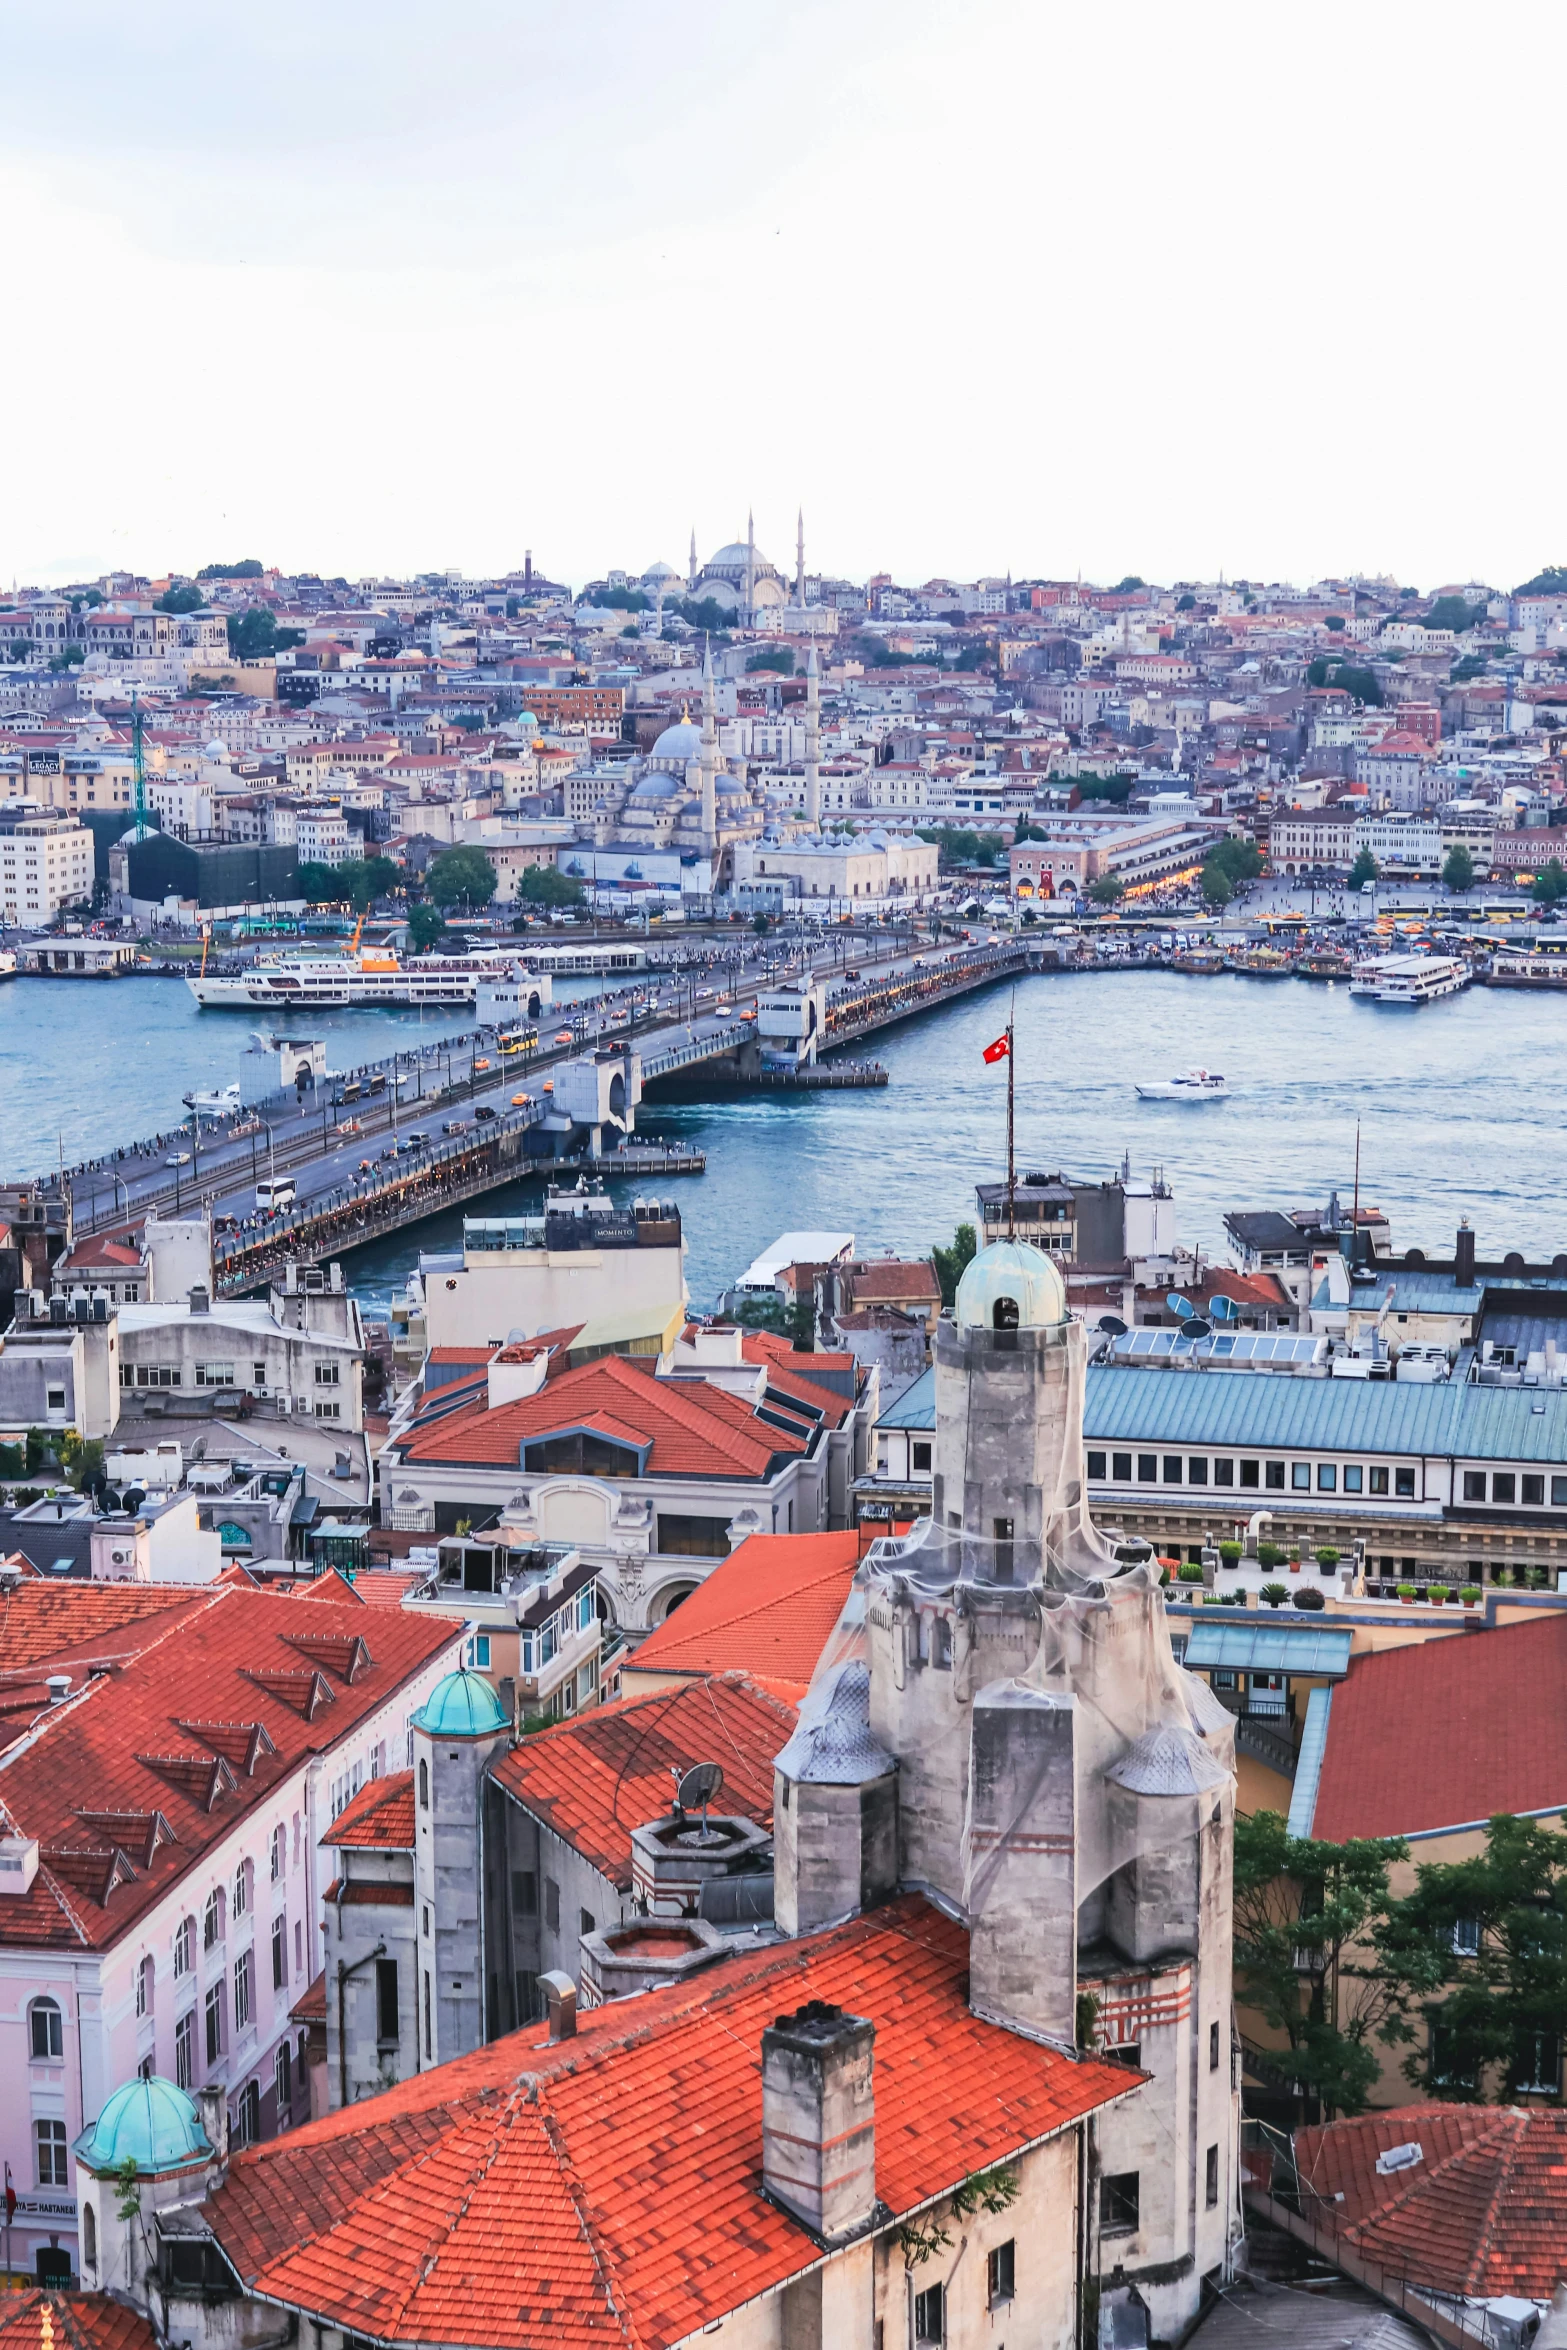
x=1117, y=789
x=1335, y=621
x=781, y=659
x=250, y=568
x=1360, y=684
x=1458, y=870
x=1238, y=860
x=1186, y=603
x=703, y=612
x=1550, y=886
x=1475, y=1959
x=952, y=1263
x=618, y=599
x=760, y=924
x=1364, y=869
x=1296, y=1895
x=1107, y=889
x=255, y=634
x=364, y=879
x=546, y=885
x=961, y=846
x=1455, y=613
x=321, y=884
x=1129, y=585
x=69, y=657
x=1552, y=581
x=20, y=648
x=183, y=598
x=461, y=876
x=425, y=926
x=1217, y=888
x=793, y=1318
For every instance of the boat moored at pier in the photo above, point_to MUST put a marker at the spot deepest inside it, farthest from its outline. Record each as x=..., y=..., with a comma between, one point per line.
x=1409, y=979
x=370, y=975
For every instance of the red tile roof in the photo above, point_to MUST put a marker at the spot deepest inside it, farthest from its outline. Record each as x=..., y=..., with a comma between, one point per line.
x=1483, y=2212
x=380, y=1818
x=767, y=1608
x=45, y=1623
x=692, y=1427
x=70, y=2321
x=129, y=1783
x=1447, y=1732
x=634, y=2150
x=594, y=1779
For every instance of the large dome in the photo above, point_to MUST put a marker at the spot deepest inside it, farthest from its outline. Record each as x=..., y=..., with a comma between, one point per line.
x=657, y=786
x=462, y=1706
x=735, y=556
x=1010, y=1273
x=657, y=571
x=150, y=2123
x=679, y=743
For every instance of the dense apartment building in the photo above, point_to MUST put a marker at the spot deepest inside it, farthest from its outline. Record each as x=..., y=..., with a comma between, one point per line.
x=46, y=863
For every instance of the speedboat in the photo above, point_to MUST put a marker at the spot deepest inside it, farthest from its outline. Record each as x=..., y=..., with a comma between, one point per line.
x=1194, y=1085
x=223, y=1102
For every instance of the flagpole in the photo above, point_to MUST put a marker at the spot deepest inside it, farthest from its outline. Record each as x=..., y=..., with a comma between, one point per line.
x=1011, y=1129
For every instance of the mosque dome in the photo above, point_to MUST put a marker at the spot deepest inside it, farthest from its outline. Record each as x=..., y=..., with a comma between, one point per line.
x=658, y=786
x=216, y=749
x=462, y=1706
x=1010, y=1273
x=729, y=787
x=658, y=571
x=681, y=742
x=150, y=2123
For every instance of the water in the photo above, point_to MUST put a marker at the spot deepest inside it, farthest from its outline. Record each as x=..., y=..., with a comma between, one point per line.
x=1459, y=1104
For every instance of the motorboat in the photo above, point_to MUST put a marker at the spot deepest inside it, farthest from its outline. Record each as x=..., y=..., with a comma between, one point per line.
x=223, y=1102
x=1193, y=1085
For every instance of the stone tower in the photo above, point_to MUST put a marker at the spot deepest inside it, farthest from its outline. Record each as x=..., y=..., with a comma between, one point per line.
x=456, y=1734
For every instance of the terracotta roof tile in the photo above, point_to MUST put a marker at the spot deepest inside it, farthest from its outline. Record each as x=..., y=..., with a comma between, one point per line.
x=42, y=1622
x=70, y=2321
x=634, y=2150
x=767, y=1608
x=380, y=1817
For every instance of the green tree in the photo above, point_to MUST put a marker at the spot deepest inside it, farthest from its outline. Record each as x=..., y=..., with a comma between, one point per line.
x=792, y=1318
x=180, y=598
x=618, y=599
x=1335, y=621
x=322, y=885
x=1455, y=613
x=1458, y=869
x=1364, y=869
x=952, y=1263
x=1107, y=889
x=255, y=634
x=760, y=924
x=69, y=657
x=704, y=612
x=1117, y=789
x=1129, y=585
x=1296, y=1895
x=461, y=876
x=20, y=648
x=1475, y=1961
x=425, y=926
x=1360, y=684
x=1217, y=888
x=81, y=1457
x=780, y=658
x=961, y=846
x=1238, y=860
x=1186, y=603
x=1552, y=581
x=1550, y=886
x=546, y=885
x=250, y=568
x=364, y=879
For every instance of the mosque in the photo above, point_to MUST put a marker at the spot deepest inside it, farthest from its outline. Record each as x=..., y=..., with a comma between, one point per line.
x=739, y=577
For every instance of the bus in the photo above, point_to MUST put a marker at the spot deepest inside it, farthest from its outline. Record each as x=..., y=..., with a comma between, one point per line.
x=275, y=1194
x=515, y=1041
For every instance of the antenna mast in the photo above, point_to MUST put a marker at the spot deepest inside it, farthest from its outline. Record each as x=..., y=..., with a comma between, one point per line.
x=1011, y=1127
x=1354, y=1248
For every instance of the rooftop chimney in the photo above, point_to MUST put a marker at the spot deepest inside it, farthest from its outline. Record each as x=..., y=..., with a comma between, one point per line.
x=1464, y=1257
x=819, y=2119
x=200, y=1302
x=59, y=1688
x=560, y=2002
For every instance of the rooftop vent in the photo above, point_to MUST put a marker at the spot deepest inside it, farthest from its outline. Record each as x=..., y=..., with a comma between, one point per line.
x=59, y=1688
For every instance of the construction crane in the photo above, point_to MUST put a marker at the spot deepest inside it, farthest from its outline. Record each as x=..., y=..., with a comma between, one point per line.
x=141, y=830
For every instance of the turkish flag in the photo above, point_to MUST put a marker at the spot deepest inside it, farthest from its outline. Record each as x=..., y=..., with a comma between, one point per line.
x=999, y=1050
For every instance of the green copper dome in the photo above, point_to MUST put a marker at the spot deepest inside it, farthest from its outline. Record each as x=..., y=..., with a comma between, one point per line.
x=150, y=2123
x=462, y=1706
x=1017, y=1277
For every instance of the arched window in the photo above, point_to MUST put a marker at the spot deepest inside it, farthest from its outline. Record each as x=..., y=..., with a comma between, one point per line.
x=247, y=2115
x=144, y=1983
x=184, y=1946
x=46, y=2029
x=285, y=2078
x=424, y=1784
x=212, y=1920
x=89, y=2236
x=242, y=1889
x=1004, y=1315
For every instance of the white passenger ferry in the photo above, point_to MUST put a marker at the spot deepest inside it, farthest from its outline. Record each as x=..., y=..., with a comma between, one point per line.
x=1409, y=979
x=369, y=975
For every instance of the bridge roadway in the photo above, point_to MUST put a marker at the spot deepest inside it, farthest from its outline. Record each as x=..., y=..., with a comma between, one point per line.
x=445, y=1122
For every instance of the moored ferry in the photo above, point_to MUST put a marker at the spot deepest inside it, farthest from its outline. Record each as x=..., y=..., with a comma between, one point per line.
x=369, y=975
x=1409, y=979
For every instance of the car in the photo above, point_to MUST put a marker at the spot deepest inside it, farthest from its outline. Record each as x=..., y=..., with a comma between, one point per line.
x=520, y=1101
x=456, y=1125
x=225, y=1223
x=563, y=1036
x=484, y=1111
x=177, y=1159
x=418, y=1142
x=723, y=1011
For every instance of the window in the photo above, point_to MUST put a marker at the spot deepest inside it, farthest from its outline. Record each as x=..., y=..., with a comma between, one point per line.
x=242, y=1889
x=1147, y=1468
x=1121, y=1467
x=1300, y=1476
x=1129, y=2053
x=242, y=1991
x=212, y=1921
x=185, y=2051
x=1403, y=1484
x=424, y=1784
x=328, y=1375
x=247, y=2115
x=279, y=1953
x=278, y=1857
x=930, y=2312
x=283, y=2077
x=144, y=1979
x=1559, y=1493
x=299, y=1946
x=1449, y=2066
x=1466, y=1937
x=1001, y=1529
x=1172, y=1469
x=1532, y=1489
x=214, y=2022
x=691, y=1537
x=1250, y=1474
x=49, y=2150
x=552, y=1905
x=524, y=1893
x=1197, y=1472
x=215, y=1375
x=1537, y=2064
x=47, y=2029
x=89, y=2236
x=1096, y=1465
x=1378, y=1480
x=1353, y=1476
x=1213, y=2048
x=1327, y=1477
x=1504, y=1486
x=1000, y=2270
x=1274, y=1474
x=1211, y=2177
x=1474, y=1484
x=429, y=2036
x=386, y=2025
x=1224, y=1472
x=1118, y=2194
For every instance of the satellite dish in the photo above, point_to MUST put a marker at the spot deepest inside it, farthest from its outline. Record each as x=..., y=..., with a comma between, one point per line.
x=1112, y=1325
x=695, y=1788
x=1196, y=1328
x=1223, y=1309
x=1180, y=1306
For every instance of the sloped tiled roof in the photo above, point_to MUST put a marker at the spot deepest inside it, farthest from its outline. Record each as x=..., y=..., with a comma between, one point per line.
x=1446, y=1732
x=380, y=1818
x=596, y=1778
x=1483, y=2211
x=767, y=1608
x=42, y=1622
x=37, y=2320
x=189, y=1736
x=606, y=2189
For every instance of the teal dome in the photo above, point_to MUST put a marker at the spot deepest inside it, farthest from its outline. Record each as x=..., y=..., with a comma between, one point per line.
x=1019, y=1278
x=150, y=2123
x=462, y=1706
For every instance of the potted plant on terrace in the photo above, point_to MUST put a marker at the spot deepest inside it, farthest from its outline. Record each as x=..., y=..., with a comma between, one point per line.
x=1275, y=1593
x=1327, y=1559
x=1470, y=1595
x=1271, y=1554
x=1406, y=1592
x=1188, y=1573
x=1231, y=1553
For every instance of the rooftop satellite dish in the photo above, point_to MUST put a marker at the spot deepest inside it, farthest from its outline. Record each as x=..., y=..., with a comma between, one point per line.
x=695, y=1788
x=1112, y=1326
x=1196, y=1328
x=1223, y=1309
x=1180, y=1306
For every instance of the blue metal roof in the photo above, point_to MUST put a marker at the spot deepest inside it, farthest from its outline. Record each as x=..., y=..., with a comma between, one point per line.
x=915, y=1407
x=1267, y=1648
x=1243, y=1409
x=1308, y=1763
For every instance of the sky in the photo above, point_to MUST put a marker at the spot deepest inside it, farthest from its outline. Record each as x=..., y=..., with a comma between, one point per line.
x=983, y=286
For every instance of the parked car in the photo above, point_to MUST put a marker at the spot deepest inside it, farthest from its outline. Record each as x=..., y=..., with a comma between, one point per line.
x=484, y=1111
x=418, y=1142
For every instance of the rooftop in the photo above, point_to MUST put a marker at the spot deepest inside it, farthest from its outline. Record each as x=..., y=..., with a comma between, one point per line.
x=769, y=1608
x=1367, y=1417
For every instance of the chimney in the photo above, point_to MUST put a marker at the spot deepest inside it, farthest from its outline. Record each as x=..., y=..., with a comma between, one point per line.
x=1464, y=1257
x=212, y=2104
x=819, y=2119
x=59, y=1688
x=560, y=2001
x=200, y=1302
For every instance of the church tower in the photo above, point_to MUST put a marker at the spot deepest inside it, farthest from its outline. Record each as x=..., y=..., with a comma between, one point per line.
x=813, y=711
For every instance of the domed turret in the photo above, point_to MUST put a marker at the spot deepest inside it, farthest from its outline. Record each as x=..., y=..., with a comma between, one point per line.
x=679, y=744
x=150, y=2123
x=462, y=1706
x=1011, y=1285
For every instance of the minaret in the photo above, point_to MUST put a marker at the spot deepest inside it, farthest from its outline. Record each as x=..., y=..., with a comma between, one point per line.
x=799, y=560
x=750, y=569
x=691, y=574
x=813, y=706
x=709, y=758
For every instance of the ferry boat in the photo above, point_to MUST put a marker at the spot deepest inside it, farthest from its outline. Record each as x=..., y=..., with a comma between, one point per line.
x=1196, y=1085
x=1260, y=963
x=369, y=975
x=1409, y=979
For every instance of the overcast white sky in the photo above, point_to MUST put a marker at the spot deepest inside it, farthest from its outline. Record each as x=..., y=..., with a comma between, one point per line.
x=363, y=286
